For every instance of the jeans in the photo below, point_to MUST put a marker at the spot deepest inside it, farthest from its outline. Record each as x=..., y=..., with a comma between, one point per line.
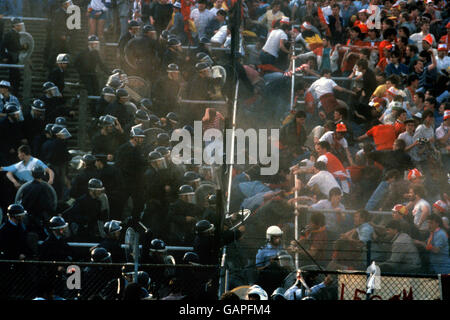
x=18, y=4
x=267, y=58
x=377, y=196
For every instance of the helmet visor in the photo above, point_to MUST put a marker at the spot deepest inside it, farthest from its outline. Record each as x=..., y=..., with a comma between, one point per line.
x=159, y=164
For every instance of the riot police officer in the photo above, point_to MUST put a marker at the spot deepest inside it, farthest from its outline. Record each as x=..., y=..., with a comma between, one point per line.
x=54, y=102
x=166, y=90
x=87, y=62
x=192, y=178
x=182, y=216
x=57, y=75
x=113, y=182
x=13, y=235
x=118, y=109
x=143, y=50
x=133, y=30
x=131, y=163
x=160, y=191
x=56, y=155
x=34, y=124
x=39, y=200
x=109, y=138
x=146, y=105
x=270, y=250
x=97, y=277
x=55, y=247
x=58, y=33
x=156, y=253
x=108, y=96
x=11, y=127
x=112, y=242
x=11, y=45
x=89, y=212
x=87, y=172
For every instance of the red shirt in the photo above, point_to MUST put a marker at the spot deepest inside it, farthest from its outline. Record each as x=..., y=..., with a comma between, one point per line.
x=399, y=127
x=333, y=163
x=383, y=135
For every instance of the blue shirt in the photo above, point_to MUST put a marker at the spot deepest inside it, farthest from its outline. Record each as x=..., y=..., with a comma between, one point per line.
x=296, y=293
x=365, y=232
x=265, y=253
x=440, y=262
x=23, y=171
x=252, y=188
x=400, y=69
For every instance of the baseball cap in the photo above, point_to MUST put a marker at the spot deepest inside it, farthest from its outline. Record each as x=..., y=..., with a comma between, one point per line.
x=400, y=208
x=440, y=205
x=341, y=127
x=428, y=38
x=414, y=174
x=446, y=114
x=442, y=47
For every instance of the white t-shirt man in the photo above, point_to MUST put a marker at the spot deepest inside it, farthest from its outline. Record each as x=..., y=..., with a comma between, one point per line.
x=409, y=140
x=272, y=45
x=201, y=20
x=322, y=86
x=417, y=214
x=324, y=181
x=440, y=133
x=328, y=136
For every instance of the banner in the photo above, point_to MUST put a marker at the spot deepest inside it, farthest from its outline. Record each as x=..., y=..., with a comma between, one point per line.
x=353, y=287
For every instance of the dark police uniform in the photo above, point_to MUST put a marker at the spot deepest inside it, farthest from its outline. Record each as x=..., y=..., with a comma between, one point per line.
x=86, y=64
x=80, y=182
x=13, y=241
x=130, y=161
x=57, y=76
x=11, y=46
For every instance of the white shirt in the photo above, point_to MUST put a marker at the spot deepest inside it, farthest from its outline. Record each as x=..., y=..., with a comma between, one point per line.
x=442, y=64
x=417, y=214
x=328, y=136
x=322, y=86
x=272, y=45
x=325, y=181
x=98, y=5
x=409, y=139
x=201, y=20
x=440, y=133
x=418, y=37
x=220, y=36
x=214, y=10
x=423, y=132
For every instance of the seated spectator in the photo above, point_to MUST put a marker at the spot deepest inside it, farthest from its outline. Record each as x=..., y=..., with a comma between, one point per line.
x=404, y=256
x=363, y=230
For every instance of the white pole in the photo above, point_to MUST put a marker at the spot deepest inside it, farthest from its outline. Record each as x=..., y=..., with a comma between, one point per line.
x=231, y=158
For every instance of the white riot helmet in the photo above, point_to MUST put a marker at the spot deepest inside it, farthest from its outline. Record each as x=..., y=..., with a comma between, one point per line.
x=273, y=231
x=257, y=290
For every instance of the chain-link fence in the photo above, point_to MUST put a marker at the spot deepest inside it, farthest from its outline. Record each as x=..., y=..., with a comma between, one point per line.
x=342, y=285
x=27, y=280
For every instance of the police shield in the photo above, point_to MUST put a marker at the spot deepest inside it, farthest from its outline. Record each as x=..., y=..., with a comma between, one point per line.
x=27, y=42
x=236, y=219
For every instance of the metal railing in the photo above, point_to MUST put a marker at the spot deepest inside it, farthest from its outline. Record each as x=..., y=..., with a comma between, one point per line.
x=27, y=77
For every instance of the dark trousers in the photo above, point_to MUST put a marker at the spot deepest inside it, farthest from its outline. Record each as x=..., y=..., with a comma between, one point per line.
x=90, y=82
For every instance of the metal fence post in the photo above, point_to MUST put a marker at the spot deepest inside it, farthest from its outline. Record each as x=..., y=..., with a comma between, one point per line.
x=136, y=257
x=82, y=119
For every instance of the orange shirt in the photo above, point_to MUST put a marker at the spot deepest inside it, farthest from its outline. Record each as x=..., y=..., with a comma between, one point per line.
x=383, y=135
